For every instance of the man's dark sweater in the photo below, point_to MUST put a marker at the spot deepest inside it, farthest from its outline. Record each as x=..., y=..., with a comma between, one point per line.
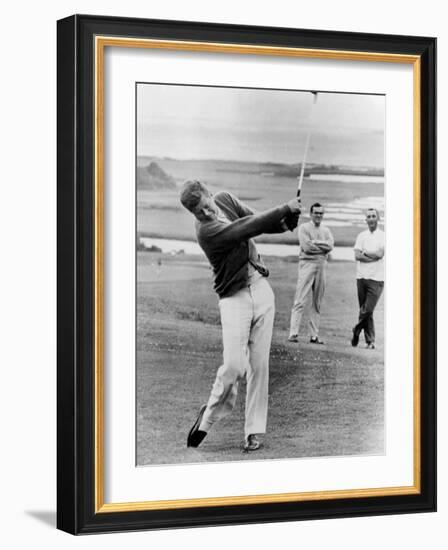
x=228, y=243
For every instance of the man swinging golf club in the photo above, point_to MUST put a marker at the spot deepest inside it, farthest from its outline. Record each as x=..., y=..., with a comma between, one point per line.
x=224, y=229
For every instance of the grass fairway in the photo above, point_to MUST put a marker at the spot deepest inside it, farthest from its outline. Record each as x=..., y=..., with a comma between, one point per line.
x=323, y=400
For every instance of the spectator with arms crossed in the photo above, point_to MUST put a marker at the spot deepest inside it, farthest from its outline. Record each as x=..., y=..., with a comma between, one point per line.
x=369, y=255
x=316, y=241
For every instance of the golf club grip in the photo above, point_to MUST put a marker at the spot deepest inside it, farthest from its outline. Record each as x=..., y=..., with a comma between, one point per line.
x=291, y=223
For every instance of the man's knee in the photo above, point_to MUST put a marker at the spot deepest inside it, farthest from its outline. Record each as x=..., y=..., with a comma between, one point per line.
x=223, y=388
x=365, y=314
x=317, y=302
x=233, y=369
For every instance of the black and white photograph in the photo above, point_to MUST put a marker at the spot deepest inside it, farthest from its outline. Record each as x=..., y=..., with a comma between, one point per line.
x=260, y=252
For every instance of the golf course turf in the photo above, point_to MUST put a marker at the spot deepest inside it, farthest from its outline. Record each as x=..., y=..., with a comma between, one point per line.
x=323, y=400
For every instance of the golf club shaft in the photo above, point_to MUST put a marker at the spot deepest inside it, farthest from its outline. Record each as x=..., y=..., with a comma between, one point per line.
x=307, y=145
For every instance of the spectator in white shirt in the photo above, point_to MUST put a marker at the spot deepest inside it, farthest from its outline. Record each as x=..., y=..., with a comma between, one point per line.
x=369, y=255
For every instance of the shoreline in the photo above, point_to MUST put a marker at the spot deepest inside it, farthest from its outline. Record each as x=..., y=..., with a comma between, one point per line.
x=291, y=240
x=183, y=246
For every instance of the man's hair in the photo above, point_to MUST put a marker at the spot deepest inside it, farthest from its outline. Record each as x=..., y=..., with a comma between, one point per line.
x=315, y=205
x=191, y=193
x=373, y=210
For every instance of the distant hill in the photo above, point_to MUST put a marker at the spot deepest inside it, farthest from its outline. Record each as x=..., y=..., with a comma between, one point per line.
x=153, y=176
x=277, y=169
x=293, y=170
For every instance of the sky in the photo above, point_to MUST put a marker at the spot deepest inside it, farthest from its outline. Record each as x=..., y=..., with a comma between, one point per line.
x=194, y=122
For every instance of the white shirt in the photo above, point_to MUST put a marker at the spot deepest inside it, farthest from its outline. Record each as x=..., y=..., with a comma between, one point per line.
x=369, y=241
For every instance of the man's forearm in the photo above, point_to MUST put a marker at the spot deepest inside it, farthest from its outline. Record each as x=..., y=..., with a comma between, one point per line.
x=374, y=255
x=324, y=246
x=361, y=256
x=288, y=223
x=366, y=259
x=370, y=256
x=251, y=226
x=310, y=248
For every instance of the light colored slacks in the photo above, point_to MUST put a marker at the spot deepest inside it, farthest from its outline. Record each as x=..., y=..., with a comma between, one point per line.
x=311, y=278
x=247, y=320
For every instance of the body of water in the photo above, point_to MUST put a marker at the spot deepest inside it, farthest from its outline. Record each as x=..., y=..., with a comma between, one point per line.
x=172, y=246
x=348, y=178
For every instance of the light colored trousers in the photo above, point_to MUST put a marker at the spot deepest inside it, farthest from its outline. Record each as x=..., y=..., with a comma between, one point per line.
x=311, y=278
x=247, y=320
